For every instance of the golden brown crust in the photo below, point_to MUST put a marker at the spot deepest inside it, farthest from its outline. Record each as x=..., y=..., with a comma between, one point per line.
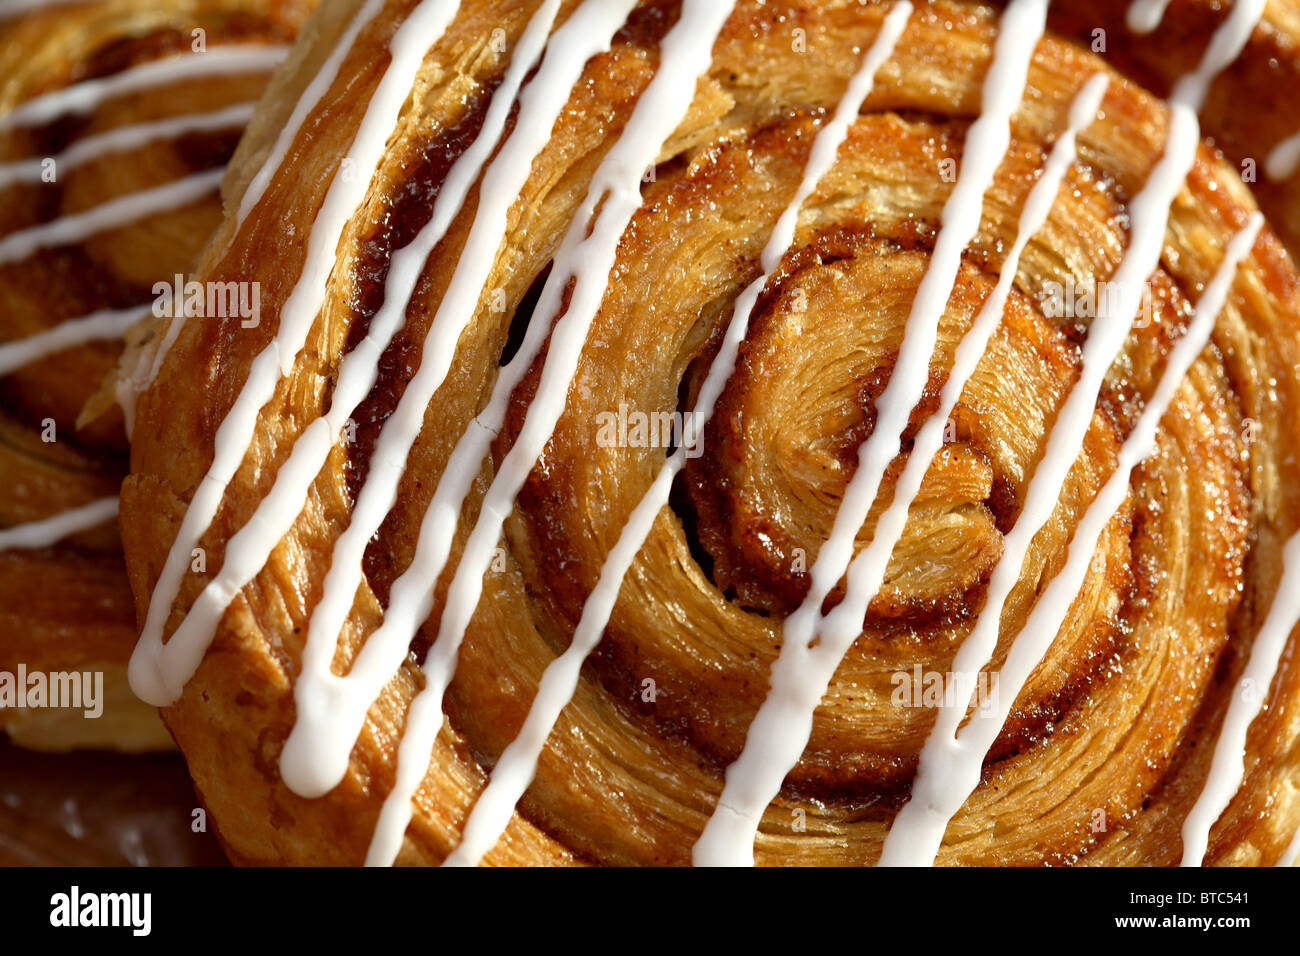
x=1119, y=716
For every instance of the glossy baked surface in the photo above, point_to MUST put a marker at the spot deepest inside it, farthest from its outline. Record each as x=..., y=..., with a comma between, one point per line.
x=1117, y=720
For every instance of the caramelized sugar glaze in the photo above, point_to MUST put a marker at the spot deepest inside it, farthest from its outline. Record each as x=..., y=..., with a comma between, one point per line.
x=1120, y=715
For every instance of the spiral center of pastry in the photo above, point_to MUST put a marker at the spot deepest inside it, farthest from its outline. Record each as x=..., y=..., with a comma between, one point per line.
x=777, y=457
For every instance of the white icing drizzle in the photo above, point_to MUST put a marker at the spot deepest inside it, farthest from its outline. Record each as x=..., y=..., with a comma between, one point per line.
x=85, y=96
x=113, y=214
x=248, y=550
x=126, y=390
x=126, y=138
x=1145, y=15
x=1228, y=768
x=12, y=9
x=312, y=94
x=685, y=54
x=781, y=728
x=332, y=709
x=157, y=672
x=949, y=766
x=109, y=323
x=329, y=705
x=518, y=764
x=1284, y=159
x=939, y=791
x=1291, y=855
x=257, y=186
x=49, y=531
x=96, y=327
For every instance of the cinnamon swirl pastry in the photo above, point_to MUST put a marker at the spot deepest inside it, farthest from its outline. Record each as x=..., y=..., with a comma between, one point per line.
x=116, y=120
x=787, y=432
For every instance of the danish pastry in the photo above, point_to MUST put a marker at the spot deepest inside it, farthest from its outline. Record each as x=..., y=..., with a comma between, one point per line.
x=785, y=432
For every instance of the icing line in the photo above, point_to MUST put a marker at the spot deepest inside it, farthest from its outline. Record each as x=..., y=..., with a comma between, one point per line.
x=153, y=678
x=1031, y=644
x=331, y=709
x=685, y=54
x=50, y=531
x=781, y=728
x=85, y=96
x=12, y=9
x=113, y=214
x=1291, y=855
x=518, y=763
x=248, y=550
x=919, y=833
x=1284, y=159
x=1227, y=768
x=311, y=96
x=868, y=569
x=98, y=326
x=1145, y=15
x=948, y=771
x=123, y=139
